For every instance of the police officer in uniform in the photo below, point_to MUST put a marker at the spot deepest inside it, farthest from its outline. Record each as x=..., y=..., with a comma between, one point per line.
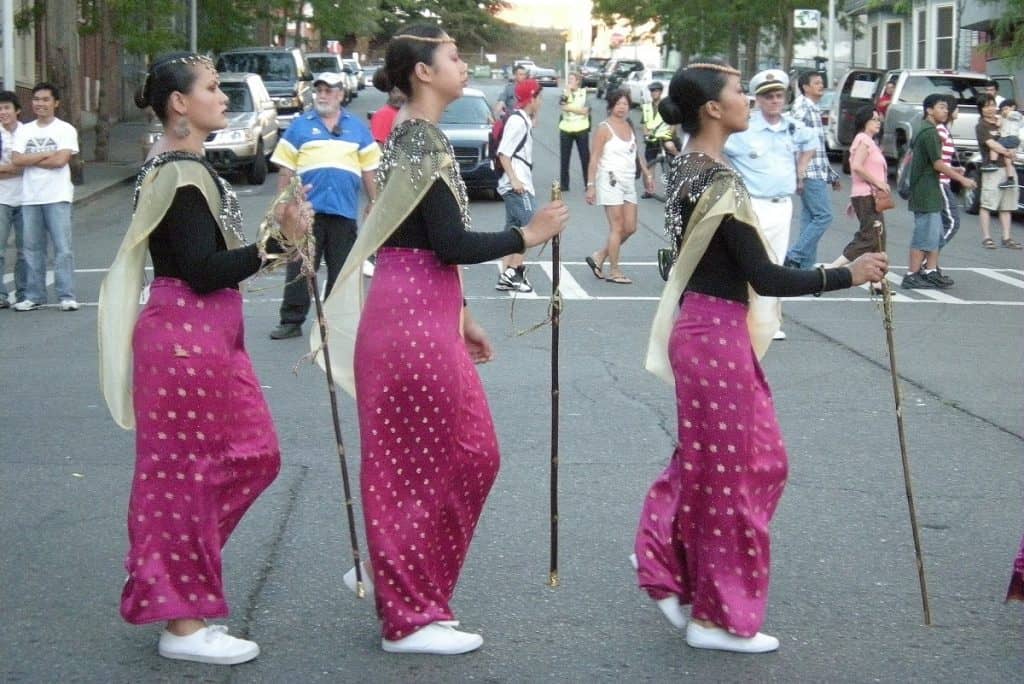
x=771, y=155
x=574, y=127
x=657, y=133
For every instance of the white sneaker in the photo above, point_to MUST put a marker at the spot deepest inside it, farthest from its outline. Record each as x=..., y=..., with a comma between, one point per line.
x=68, y=305
x=779, y=335
x=669, y=606
x=368, y=268
x=437, y=638
x=717, y=639
x=349, y=578
x=211, y=645
x=25, y=305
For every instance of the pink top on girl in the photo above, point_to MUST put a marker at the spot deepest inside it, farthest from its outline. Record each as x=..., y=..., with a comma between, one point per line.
x=874, y=165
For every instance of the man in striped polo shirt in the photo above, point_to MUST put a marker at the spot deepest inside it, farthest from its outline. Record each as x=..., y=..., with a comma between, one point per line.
x=334, y=153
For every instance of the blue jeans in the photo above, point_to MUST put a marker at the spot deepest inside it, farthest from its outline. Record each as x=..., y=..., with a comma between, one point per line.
x=40, y=221
x=10, y=217
x=518, y=209
x=815, y=218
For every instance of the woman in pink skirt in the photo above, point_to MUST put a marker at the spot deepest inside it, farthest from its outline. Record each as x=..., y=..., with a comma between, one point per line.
x=429, y=451
x=1016, y=590
x=178, y=372
x=703, y=534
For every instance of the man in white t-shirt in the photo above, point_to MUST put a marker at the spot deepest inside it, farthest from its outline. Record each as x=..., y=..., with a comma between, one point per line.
x=43, y=149
x=10, y=197
x=515, y=153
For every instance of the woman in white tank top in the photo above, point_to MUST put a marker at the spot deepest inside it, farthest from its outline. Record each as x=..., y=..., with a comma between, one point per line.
x=611, y=182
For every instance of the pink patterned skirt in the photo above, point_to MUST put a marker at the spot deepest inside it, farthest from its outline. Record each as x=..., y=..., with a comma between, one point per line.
x=703, y=533
x=205, y=449
x=429, y=451
x=1016, y=590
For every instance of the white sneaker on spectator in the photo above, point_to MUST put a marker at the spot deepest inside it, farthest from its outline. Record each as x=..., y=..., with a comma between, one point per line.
x=437, y=638
x=25, y=305
x=779, y=335
x=68, y=305
x=211, y=645
x=349, y=578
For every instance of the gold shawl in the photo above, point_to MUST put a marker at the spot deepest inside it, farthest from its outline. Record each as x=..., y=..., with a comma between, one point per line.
x=416, y=154
x=121, y=290
x=725, y=196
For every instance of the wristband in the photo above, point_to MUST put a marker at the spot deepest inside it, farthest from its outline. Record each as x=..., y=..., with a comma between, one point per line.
x=824, y=281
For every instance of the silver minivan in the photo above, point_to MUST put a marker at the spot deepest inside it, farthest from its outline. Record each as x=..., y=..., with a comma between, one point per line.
x=319, y=62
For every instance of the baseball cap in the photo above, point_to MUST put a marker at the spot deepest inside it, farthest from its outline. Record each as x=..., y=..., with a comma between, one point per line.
x=526, y=90
x=655, y=85
x=330, y=78
x=768, y=80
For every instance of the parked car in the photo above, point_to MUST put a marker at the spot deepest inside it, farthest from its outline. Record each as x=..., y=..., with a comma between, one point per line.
x=368, y=73
x=357, y=69
x=591, y=70
x=548, y=78
x=319, y=62
x=284, y=72
x=861, y=86
x=251, y=134
x=467, y=123
x=639, y=80
x=615, y=74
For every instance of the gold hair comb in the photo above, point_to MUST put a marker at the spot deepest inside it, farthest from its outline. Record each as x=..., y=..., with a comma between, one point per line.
x=724, y=68
x=425, y=39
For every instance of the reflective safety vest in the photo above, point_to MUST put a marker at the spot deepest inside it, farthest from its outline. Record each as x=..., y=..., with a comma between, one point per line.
x=657, y=129
x=572, y=122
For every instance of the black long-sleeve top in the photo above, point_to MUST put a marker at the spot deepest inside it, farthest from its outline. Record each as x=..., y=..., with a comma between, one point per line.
x=436, y=224
x=736, y=256
x=188, y=245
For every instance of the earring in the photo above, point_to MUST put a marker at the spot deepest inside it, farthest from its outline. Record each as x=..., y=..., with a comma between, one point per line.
x=181, y=129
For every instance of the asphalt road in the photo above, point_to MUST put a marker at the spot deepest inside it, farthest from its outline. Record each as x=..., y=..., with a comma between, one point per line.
x=845, y=600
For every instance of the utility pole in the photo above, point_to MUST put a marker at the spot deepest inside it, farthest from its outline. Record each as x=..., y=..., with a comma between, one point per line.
x=193, y=31
x=8, y=34
x=833, y=73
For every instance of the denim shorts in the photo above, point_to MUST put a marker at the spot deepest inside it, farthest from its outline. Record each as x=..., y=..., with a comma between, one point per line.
x=518, y=209
x=927, y=231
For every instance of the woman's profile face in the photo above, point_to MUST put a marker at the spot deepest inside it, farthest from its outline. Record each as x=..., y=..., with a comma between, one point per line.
x=873, y=125
x=734, y=105
x=206, y=102
x=450, y=73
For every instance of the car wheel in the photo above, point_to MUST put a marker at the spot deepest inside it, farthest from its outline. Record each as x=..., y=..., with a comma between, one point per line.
x=258, y=171
x=971, y=199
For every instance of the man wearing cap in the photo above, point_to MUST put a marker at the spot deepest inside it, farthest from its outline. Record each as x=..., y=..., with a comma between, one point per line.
x=813, y=184
x=769, y=155
x=515, y=153
x=506, y=104
x=657, y=133
x=574, y=128
x=334, y=153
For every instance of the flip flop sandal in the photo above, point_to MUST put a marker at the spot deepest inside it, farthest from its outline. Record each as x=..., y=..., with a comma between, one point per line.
x=620, y=279
x=1010, y=243
x=988, y=243
x=594, y=268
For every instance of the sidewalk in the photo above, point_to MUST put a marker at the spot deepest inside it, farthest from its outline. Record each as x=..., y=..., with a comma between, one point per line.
x=125, y=158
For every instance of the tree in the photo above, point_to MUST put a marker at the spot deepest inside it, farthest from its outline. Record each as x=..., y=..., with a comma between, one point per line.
x=1008, y=32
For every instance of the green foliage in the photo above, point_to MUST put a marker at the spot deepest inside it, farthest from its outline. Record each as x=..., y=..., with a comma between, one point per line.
x=143, y=27
x=1009, y=32
x=470, y=22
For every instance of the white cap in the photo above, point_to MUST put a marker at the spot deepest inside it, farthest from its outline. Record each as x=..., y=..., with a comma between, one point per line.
x=768, y=80
x=331, y=78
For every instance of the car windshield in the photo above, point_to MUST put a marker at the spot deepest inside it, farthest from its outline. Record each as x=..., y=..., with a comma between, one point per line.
x=625, y=67
x=597, y=62
x=238, y=97
x=966, y=90
x=353, y=64
x=272, y=66
x=321, y=64
x=468, y=109
x=662, y=75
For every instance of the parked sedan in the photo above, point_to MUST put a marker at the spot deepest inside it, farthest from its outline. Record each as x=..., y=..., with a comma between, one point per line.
x=638, y=81
x=251, y=134
x=548, y=78
x=467, y=123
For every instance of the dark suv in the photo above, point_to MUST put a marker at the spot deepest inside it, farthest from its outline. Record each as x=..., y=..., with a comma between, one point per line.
x=284, y=72
x=591, y=70
x=615, y=74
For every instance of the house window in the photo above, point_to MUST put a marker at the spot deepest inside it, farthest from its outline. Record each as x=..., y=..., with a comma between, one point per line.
x=874, y=46
x=893, y=45
x=944, y=33
x=921, y=53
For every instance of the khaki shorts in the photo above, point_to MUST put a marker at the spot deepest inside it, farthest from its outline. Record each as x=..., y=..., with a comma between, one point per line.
x=994, y=198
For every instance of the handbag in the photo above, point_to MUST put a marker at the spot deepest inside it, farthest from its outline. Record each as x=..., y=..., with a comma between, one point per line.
x=883, y=200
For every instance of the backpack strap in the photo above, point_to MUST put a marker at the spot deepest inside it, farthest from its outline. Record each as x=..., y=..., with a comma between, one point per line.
x=522, y=142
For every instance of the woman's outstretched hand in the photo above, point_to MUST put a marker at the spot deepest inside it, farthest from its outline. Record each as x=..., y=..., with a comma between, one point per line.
x=547, y=222
x=477, y=343
x=870, y=267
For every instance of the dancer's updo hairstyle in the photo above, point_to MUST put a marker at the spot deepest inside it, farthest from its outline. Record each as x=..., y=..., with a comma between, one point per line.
x=170, y=73
x=691, y=88
x=410, y=46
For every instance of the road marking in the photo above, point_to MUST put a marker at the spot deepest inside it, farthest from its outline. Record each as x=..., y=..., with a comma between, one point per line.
x=569, y=286
x=995, y=275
